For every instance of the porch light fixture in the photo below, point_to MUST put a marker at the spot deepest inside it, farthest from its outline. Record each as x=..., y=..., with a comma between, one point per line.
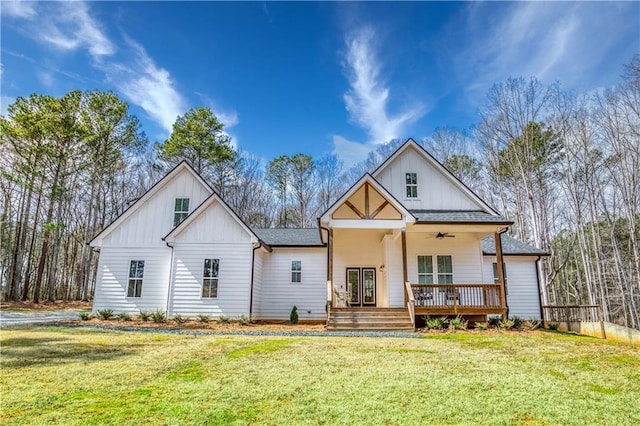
x=381, y=268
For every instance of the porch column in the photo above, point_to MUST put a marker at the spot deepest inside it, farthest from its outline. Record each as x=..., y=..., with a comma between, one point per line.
x=330, y=261
x=404, y=262
x=500, y=267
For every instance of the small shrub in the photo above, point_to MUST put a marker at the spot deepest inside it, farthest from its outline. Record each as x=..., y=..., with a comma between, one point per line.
x=435, y=323
x=517, y=322
x=458, y=323
x=123, y=316
x=203, y=318
x=179, y=319
x=293, y=317
x=481, y=325
x=144, y=316
x=553, y=325
x=506, y=324
x=105, y=314
x=530, y=325
x=223, y=319
x=495, y=321
x=244, y=320
x=85, y=316
x=159, y=317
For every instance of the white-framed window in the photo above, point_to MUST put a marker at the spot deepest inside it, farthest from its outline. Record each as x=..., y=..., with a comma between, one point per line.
x=411, y=182
x=296, y=271
x=504, y=273
x=210, y=278
x=428, y=270
x=181, y=210
x=445, y=269
x=136, y=273
x=425, y=269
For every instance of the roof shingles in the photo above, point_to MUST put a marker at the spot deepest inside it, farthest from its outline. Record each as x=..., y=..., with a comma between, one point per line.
x=293, y=237
x=457, y=216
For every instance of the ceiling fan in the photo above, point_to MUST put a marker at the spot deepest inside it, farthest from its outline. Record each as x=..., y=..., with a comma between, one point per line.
x=442, y=235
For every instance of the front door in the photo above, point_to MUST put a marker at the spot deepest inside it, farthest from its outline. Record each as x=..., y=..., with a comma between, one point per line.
x=361, y=286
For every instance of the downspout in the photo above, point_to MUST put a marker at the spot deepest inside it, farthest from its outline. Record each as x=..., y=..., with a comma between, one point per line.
x=506, y=303
x=326, y=307
x=253, y=266
x=169, y=292
x=538, y=283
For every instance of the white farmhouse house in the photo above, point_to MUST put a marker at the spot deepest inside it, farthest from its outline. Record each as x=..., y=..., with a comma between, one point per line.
x=408, y=240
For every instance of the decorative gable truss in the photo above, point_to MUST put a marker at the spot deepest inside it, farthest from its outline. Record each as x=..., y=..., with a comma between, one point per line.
x=367, y=200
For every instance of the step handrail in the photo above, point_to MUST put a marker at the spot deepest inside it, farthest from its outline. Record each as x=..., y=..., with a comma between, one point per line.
x=411, y=302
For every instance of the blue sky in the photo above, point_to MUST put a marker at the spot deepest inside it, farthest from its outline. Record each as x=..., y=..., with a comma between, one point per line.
x=311, y=77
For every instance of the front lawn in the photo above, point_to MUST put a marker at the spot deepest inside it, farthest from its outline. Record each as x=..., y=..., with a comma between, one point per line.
x=81, y=376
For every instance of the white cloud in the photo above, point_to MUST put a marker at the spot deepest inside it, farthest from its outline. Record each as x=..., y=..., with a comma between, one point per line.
x=367, y=100
x=18, y=9
x=351, y=153
x=142, y=82
x=566, y=41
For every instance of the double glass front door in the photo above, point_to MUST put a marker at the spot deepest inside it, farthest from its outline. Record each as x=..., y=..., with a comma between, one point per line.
x=361, y=286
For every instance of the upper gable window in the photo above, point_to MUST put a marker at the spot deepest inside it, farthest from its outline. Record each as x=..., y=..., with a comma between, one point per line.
x=411, y=180
x=181, y=210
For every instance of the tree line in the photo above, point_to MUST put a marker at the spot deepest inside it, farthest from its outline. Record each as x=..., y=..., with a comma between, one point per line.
x=564, y=166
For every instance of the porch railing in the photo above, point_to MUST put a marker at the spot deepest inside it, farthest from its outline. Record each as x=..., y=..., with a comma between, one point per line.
x=457, y=298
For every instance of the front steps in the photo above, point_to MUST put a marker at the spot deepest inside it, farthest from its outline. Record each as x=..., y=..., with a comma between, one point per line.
x=369, y=319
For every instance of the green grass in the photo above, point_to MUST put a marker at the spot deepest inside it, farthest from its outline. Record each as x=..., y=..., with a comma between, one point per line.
x=82, y=376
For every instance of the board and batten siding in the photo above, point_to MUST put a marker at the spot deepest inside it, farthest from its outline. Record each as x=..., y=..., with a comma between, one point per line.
x=279, y=294
x=393, y=271
x=258, y=277
x=234, y=279
x=154, y=219
x=523, y=297
x=464, y=249
x=435, y=190
x=112, y=279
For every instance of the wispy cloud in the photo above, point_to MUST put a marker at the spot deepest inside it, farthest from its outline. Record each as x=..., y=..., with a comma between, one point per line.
x=566, y=41
x=350, y=152
x=71, y=26
x=143, y=82
x=18, y=9
x=367, y=100
x=5, y=101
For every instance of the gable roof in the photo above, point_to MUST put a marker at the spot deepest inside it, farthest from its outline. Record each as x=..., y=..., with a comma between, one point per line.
x=410, y=143
x=214, y=197
x=458, y=216
x=378, y=187
x=510, y=246
x=182, y=166
x=290, y=237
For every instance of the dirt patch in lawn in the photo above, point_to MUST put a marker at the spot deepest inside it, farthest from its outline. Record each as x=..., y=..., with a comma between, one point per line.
x=58, y=305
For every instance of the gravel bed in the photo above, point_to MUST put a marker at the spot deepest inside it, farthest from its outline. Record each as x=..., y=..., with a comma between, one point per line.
x=401, y=334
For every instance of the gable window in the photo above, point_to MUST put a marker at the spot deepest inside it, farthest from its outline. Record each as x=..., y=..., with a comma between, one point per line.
x=210, y=278
x=425, y=269
x=296, y=271
x=136, y=272
x=411, y=180
x=495, y=276
x=181, y=210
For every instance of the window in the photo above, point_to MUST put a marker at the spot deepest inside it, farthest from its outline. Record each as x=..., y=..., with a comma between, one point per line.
x=411, y=180
x=210, y=278
x=136, y=272
x=181, y=210
x=296, y=271
x=495, y=276
x=445, y=270
x=425, y=269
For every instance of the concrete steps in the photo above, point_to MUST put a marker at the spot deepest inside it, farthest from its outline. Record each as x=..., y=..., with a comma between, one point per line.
x=369, y=319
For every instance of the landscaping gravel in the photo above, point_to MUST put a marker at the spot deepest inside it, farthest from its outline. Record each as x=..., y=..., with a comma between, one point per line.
x=241, y=332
